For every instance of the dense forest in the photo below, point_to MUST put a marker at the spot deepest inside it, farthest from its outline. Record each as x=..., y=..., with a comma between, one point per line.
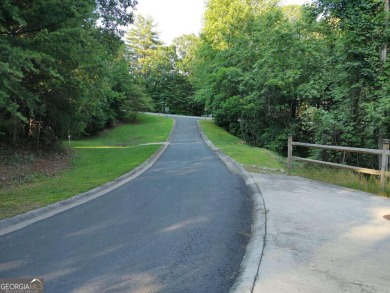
x=163, y=70
x=319, y=71
x=63, y=69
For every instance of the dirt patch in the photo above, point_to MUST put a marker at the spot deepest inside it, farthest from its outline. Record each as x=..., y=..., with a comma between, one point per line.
x=263, y=170
x=18, y=167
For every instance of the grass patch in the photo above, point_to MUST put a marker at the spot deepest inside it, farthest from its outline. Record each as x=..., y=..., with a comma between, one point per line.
x=254, y=159
x=346, y=178
x=258, y=159
x=95, y=161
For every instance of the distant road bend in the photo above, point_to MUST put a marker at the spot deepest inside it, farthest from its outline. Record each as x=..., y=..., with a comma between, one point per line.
x=182, y=226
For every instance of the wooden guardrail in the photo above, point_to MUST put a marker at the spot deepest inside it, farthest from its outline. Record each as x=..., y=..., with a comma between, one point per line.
x=384, y=153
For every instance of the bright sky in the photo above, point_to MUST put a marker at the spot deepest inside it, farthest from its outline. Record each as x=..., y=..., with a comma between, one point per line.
x=177, y=17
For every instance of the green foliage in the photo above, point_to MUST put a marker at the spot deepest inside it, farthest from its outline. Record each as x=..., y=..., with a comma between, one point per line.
x=164, y=71
x=61, y=68
x=356, y=86
x=142, y=39
x=114, y=14
x=185, y=47
x=262, y=69
x=265, y=71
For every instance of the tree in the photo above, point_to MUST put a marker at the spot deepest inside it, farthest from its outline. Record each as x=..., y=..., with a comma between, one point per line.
x=185, y=47
x=315, y=71
x=165, y=70
x=142, y=39
x=114, y=14
x=55, y=65
x=361, y=90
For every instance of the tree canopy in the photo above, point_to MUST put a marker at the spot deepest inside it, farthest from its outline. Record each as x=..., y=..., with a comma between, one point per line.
x=62, y=68
x=263, y=70
x=267, y=70
x=164, y=70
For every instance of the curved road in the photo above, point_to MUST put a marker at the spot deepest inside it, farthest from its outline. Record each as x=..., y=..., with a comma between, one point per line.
x=182, y=226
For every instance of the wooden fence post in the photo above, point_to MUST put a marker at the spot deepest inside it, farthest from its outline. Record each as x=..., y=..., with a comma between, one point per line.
x=289, y=154
x=385, y=162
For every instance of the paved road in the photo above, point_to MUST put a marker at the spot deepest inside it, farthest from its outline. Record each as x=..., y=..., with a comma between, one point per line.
x=182, y=226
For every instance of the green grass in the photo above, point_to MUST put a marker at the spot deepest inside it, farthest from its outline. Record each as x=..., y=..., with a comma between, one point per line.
x=346, y=178
x=252, y=157
x=256, y=159
x=95, y=161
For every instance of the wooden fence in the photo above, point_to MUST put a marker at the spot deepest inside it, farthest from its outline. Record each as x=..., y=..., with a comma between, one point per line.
x=384, y=153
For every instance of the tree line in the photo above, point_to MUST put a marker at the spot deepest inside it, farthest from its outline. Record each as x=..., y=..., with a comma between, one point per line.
x=72, y=68
x=63, y=69
x=319, y=71
x=165, y=71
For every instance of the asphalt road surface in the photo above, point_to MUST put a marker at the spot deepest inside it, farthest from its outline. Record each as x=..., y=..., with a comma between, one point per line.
x=182, y=226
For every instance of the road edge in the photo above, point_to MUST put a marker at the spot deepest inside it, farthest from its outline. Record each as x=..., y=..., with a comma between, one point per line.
x=250, y=264
x=15, y=223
